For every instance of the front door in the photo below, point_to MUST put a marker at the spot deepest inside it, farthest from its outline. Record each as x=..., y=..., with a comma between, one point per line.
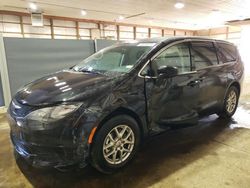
x=172, y=100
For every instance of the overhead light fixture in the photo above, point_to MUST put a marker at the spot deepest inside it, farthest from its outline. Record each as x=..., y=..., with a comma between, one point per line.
x=215, y=16
x=241, y=17
x=121, y=17
x=215, y=13
x=83, y=12
x=33, y=6
x=215, y=19
x=179, y=5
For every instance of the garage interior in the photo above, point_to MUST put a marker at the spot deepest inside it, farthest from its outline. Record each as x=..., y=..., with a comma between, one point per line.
x=41, y=37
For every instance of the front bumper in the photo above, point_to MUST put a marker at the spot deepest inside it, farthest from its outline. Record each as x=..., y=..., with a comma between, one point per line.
x=66, y=144
x=41, y=156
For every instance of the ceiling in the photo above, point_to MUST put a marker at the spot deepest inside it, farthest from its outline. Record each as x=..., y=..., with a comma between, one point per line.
x=197, y=14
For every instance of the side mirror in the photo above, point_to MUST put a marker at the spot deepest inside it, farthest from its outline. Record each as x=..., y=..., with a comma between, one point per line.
x=167, y=71
x=72, y=67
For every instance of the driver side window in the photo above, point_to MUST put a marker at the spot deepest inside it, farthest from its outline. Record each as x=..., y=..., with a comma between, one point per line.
x=175, y=56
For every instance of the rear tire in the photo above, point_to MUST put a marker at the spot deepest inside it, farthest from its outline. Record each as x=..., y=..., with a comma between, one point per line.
x=230, y=103
x=115, y=144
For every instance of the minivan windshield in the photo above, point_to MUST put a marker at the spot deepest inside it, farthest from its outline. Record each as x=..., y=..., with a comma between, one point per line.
x=117, y=59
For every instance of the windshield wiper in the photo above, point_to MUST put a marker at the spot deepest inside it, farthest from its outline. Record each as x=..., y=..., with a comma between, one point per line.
x=89, y=71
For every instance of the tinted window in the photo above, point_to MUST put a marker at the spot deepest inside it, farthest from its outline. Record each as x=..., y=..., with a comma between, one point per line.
x=175, y=56
x=203, y=54
x=226, y=52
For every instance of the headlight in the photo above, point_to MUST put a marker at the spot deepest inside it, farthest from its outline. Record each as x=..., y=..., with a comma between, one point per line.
x=41, y=117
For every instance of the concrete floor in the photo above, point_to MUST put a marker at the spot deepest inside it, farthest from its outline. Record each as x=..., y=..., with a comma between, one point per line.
x=214, y=153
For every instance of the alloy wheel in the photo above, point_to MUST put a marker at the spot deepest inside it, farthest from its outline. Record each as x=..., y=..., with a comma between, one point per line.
x=118, y=144
x=231, y=101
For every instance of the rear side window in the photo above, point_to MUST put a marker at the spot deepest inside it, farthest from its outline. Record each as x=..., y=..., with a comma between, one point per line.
x=226, y=52
x=203, y=55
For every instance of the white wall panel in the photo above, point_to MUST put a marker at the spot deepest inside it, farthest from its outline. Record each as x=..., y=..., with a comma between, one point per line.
x=87, y=25
x=1, y=27
x=37, y=36
x=27, y=19
x=142, y=29
x=234, y=35
x=158, y=31
x=126, y=28
x=13, y=35
x=220, y=37
x=85, y=32
x=180, y=33
x=109, y=27
x=40, y=30
x=110, y=34
x=11, y=28
x=64, y=23
x=141, y=35
x=168, y=32
x=64, y=37
x=11, y=18
x=64, y=31
x=155, y=35
x=126, y=35
x=189, y=33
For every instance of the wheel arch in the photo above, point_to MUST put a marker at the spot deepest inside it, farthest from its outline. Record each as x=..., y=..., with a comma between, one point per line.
x=222, y=112
x=125, y=111
x=235, y=84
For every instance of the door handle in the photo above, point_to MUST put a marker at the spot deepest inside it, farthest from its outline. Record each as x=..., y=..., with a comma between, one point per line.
x=194, y=83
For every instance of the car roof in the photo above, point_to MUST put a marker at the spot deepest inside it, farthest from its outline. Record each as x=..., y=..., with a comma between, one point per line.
x=173, y=39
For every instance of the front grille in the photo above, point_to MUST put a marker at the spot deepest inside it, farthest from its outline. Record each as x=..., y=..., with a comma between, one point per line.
x=44, y=155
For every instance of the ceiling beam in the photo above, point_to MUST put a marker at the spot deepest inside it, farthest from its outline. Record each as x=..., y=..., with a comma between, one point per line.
x=88, y=20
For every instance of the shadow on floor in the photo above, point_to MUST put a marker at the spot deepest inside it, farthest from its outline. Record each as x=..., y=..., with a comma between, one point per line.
x=159, y=157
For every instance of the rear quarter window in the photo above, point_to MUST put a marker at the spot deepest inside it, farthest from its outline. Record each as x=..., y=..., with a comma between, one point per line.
x=203, y=54
x=226, y=52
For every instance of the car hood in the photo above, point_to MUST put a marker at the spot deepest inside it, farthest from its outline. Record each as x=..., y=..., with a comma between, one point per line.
x=64, y=86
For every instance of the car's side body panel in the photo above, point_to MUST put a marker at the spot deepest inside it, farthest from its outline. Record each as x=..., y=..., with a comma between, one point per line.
x=167, y=102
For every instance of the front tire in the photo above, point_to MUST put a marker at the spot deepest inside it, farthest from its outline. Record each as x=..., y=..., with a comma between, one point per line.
x=115, y=144
x=230, y=103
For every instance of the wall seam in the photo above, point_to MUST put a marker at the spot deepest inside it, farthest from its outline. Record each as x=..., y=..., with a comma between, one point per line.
x=4, y=73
